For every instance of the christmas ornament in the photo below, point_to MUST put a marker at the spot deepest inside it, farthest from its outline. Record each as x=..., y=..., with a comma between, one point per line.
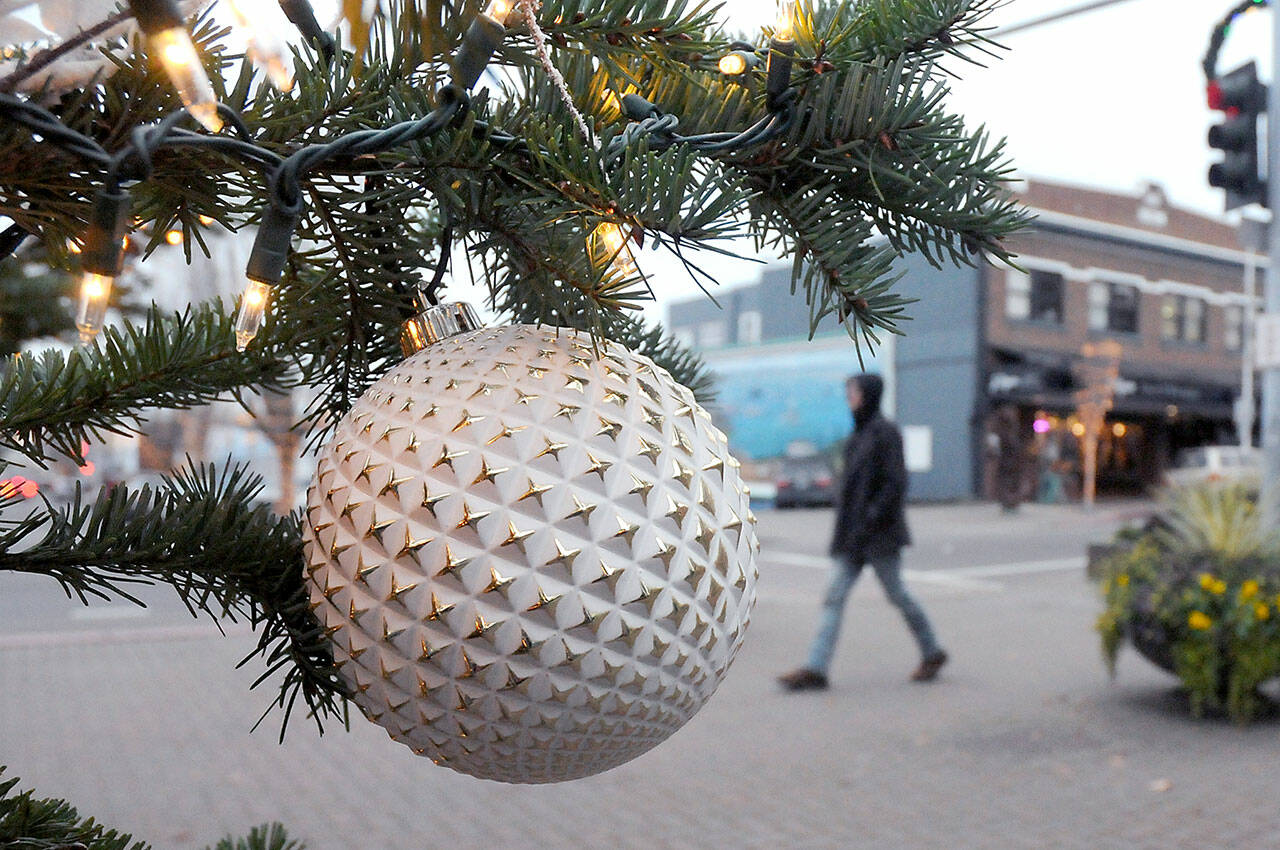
x=532, y=551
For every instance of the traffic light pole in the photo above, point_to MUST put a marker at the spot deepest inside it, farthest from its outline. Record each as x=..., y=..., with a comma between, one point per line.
x=1271, y=290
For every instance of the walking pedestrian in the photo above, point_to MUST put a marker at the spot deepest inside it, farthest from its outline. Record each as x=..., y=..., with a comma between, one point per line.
x=871, y=528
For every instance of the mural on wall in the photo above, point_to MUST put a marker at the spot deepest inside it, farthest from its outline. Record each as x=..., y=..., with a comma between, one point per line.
x=770, y=396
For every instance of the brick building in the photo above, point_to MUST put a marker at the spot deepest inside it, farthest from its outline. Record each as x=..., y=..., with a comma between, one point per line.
x=998, y=360
x=1162, y=286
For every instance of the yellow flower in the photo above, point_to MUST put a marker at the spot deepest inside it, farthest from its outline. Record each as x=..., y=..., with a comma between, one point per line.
x=1219, y=587
x=1122, y=580
x=1261, y=611
x=1199, y=620
x=1207, y=581
x=1249, y=589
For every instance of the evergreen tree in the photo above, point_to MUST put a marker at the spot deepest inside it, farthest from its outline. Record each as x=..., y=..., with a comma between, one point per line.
x=848, y=159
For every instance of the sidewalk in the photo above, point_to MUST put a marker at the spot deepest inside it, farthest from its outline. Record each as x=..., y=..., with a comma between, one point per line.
x=1022, y=743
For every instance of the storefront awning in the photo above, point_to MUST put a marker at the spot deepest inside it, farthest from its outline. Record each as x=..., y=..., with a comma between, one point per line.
x=1048, y=380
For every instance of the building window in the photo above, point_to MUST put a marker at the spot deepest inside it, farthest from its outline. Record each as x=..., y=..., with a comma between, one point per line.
x=1017, y=294
x=1035, y=297
x=1098, y=306
x=712, y=334
x=1184, y=318
x=750, y=325
x=1113, y=307
x=1233, y=327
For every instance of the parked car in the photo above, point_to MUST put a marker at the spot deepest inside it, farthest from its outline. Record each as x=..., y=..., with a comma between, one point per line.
x=1216, y=463
x=805, y=481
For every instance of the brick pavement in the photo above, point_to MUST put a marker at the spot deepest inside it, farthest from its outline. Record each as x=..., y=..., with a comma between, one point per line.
x=1023, y=743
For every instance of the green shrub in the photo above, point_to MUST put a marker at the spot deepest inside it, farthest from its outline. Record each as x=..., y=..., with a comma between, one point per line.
x=1199, y=594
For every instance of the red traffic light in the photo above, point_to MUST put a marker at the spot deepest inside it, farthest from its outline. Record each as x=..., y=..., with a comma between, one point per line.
x=1214, y=92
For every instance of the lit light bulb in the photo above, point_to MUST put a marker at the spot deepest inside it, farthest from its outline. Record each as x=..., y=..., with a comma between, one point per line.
x=95, y=292
x=207, y=220
x=785, y=28
x=733, y=64
x=173, y=237
x=499, y=10
x=609, y=246
x=266, y=49
x=181, y=62
x=253, y=307
x=73, y=246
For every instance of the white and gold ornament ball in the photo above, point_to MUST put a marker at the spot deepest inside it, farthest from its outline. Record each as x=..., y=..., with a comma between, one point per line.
x=533, y=553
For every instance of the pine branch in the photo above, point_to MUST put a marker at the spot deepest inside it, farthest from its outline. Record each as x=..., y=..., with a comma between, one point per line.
x=31, y=823
x=929, y=30
x=265, y=837
x=51, y=402
x=207, y=535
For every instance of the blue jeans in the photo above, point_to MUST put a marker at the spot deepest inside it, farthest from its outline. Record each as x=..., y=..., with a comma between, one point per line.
x=889, y=571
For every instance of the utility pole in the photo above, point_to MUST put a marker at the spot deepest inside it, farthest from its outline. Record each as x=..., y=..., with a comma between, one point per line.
x=1271, y=292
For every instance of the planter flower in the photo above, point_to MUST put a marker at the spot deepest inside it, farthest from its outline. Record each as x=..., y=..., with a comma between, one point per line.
x=1199, y=596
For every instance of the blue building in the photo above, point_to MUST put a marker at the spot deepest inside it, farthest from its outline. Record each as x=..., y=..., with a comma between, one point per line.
x=775, y=386
x=773, y=394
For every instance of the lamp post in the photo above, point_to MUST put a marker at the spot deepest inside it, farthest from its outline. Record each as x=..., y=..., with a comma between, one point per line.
x=1253, y=238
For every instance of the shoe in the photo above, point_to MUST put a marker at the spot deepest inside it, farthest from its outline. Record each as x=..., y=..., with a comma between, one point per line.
x=803, y=680
x=928, y=669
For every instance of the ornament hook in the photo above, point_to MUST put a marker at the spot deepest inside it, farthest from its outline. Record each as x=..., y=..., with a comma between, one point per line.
x=436, y=323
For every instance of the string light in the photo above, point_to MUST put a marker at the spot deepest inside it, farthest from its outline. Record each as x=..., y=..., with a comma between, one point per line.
x=785, y=27
x=173, y=237
x=486, y=32
x=95, y=295
x=267, y=260
x=253, y=307
x=102, y=259
x=207, y=220
x=608, y=247
x=182, y=64
x=169, y=41
x=782, y=51
x=737, y=62
x=499, y=10
x=266, y=49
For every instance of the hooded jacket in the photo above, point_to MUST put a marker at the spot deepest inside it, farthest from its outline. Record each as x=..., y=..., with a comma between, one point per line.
x=871, y=520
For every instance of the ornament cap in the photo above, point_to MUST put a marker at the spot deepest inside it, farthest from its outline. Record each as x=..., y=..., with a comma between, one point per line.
x=437, y=323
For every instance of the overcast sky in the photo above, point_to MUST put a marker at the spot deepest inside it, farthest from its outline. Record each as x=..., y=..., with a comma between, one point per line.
x=1111, y=98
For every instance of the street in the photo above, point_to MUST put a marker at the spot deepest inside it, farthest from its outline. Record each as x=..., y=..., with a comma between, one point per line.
x=139, y=718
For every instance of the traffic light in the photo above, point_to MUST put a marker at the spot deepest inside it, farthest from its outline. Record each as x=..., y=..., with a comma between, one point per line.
x=1243, y=99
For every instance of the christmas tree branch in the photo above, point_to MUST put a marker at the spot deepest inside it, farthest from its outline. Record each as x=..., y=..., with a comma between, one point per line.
x=204, y=533
x=676, y=193
x=28, y=822
x=51, y=402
